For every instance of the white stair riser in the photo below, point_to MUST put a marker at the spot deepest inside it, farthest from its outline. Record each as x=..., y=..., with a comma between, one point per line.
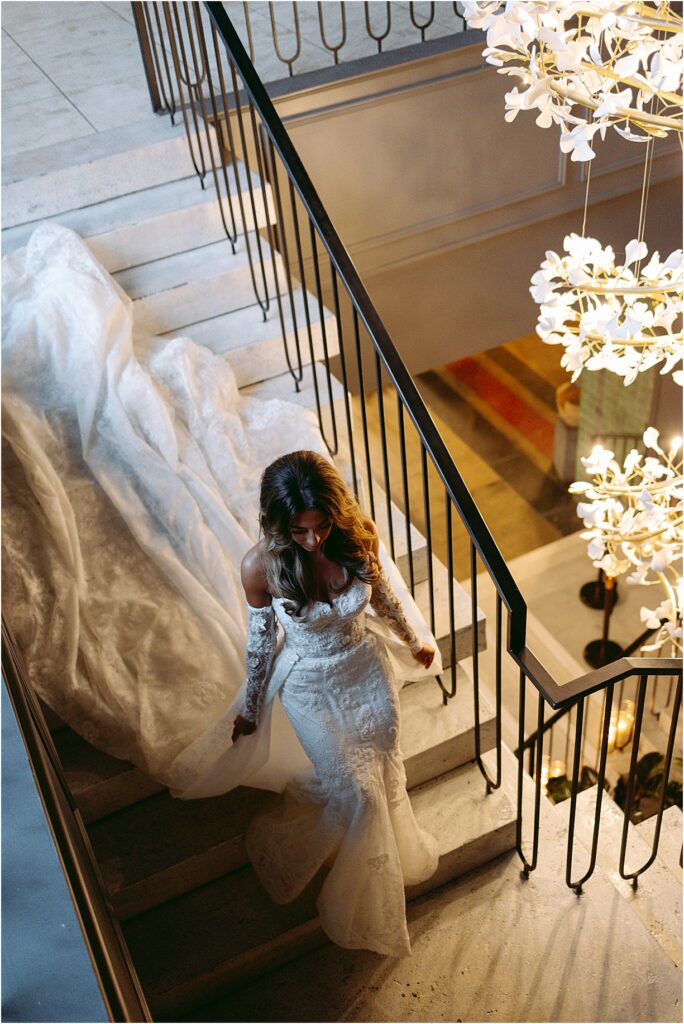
x=114, y=794
x=200, y=299
x=74, y=187
x=258, y=362
x=173, y=233
x=432, y=763
x=458, y=862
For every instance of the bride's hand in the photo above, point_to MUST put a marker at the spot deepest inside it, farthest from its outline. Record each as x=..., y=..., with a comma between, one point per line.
x=424, y=656
x=242, y=727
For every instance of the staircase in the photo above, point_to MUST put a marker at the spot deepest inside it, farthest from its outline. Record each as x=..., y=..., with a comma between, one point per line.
x=657, y=900
x=194, y=916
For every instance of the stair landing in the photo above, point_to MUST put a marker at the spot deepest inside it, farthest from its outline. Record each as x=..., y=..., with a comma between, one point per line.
x=487, y=947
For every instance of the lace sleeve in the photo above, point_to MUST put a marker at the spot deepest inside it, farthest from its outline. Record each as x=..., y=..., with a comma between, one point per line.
x=385, y=602
x=261, y=644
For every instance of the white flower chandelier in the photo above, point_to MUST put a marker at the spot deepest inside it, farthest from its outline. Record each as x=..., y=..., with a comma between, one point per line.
x=609, y=315
x=588, y=65
x=633, y=515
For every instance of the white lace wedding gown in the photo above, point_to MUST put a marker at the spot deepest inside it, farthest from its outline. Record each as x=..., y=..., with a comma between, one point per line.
x=338, y=693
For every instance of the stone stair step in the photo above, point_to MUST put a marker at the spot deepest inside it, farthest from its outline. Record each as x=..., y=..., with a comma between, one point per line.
x=657, y=901
x=100, y=784
x=53, y=179
x=160, y=848
x=187, y=287
x=283, y=387
x=228, y=931
x=254, y=346
x=670, y=842
x=462, y=615
x=151, y=223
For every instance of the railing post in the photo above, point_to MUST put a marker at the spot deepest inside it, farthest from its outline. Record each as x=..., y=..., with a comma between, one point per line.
x=146, y=53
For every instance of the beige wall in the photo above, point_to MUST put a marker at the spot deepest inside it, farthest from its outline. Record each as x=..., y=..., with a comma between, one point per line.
x=447, y=209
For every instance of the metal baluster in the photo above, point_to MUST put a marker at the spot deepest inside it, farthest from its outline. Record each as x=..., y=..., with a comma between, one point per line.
x=335, y=50
x=248, y=28
x=426, y=24
x=607, y=711
x=378, y=39
x=498, y=685
x=334, y=447
x=428, y=535
x=449, y=694
x=345, y=385
x=364, y=414
x=231, y=233
x=262, y=172
x=476, y=670
x=298, y=373
x=170, y=105
x=274, y=28
x=301, y=268
x=264, y=302
x=197, y=160
x=674, y=731
x=148, y=50
x=383, y=442
x=629, y=799
x=200, y=75
x=530, y=865
x=405, y=487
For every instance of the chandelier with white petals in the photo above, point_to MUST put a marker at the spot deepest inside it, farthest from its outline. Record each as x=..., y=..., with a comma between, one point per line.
x=588, y=66
x=633, y=516
x=609, y=315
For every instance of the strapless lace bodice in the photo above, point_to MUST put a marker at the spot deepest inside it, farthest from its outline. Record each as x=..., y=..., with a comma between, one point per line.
x=329, y=628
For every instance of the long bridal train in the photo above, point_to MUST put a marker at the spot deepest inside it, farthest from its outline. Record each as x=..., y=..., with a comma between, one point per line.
x=131, y=472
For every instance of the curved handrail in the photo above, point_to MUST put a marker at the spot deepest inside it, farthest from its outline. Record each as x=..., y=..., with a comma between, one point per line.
x=388, y=361
x=114, y=970
x=555, y=693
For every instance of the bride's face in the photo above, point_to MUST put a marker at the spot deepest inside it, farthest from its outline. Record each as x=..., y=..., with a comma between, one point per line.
x=310, y=529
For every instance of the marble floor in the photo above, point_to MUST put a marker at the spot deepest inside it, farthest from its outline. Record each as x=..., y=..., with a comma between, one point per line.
x=71, y=69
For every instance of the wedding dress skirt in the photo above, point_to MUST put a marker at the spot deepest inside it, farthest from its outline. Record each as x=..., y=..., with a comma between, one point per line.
x=353, y=810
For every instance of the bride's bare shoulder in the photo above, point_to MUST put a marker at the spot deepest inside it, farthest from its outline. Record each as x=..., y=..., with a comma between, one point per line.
x=253, y=578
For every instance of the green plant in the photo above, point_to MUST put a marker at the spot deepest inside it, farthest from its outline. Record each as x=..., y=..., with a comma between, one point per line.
x=560, y=787
x=648, y=780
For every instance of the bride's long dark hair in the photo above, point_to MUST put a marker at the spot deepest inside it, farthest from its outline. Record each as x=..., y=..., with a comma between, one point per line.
x=297, y=483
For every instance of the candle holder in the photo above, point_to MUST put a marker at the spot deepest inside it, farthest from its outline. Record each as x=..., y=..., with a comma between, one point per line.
x=603, y=651
x=593, y=593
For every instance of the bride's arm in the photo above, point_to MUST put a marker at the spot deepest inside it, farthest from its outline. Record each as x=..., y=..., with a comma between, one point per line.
x=261, y=643
x=387, y=605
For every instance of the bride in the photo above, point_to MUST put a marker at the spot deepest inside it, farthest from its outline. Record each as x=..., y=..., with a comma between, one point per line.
x=313, y=572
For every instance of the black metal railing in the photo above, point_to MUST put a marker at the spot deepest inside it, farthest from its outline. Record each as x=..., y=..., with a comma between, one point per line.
x=121, y=991
x=385, y=432
x=290, y=41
